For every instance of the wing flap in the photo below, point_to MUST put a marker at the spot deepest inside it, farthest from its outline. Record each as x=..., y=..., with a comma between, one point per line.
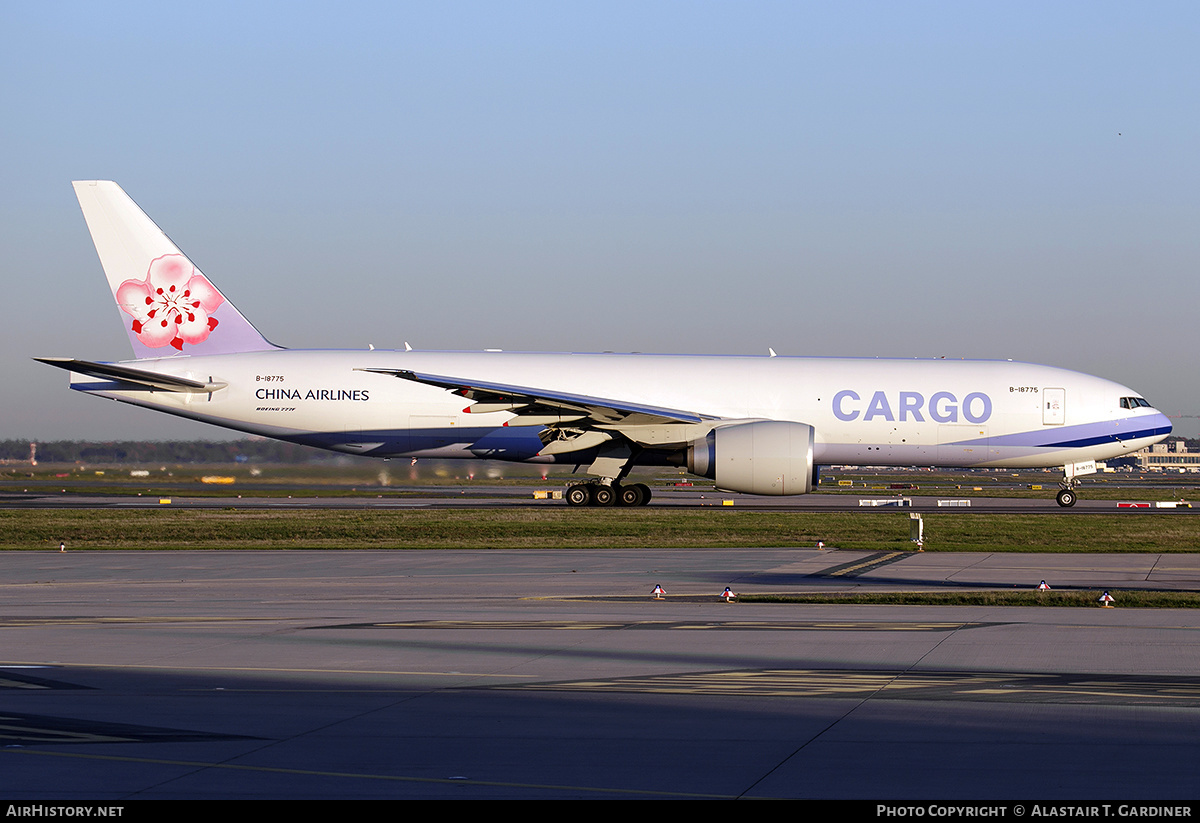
x=599, y=412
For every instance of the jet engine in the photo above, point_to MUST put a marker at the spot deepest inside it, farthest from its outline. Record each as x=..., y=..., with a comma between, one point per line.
x=763, y=457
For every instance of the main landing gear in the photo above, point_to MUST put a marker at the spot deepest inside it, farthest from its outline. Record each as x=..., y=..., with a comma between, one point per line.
x=600, y=494
x=1066, y=498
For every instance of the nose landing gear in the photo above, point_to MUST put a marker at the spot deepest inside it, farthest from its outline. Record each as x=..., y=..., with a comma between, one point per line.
x=1067, y=495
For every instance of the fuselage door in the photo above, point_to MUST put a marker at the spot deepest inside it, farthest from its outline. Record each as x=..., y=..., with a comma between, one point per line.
x=1054, y=407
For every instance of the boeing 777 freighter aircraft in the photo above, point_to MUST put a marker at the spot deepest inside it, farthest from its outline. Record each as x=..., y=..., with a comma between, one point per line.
x=760, y=425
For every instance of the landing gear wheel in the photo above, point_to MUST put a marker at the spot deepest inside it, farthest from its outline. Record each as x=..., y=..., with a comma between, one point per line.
x=603, y=496
x=579, y=495
x=645, y=493
x=1066, y=498
x=634, y=495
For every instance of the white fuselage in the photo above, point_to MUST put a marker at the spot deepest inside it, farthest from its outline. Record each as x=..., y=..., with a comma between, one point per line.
x=863, y=410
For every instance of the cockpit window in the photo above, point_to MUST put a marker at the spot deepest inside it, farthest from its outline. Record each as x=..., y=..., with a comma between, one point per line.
x=1135, y=402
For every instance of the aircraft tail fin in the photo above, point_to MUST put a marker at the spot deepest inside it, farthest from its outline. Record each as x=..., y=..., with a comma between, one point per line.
x=169, y=306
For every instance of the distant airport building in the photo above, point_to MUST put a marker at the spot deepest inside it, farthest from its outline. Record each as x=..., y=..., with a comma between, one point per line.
x=1170, y=456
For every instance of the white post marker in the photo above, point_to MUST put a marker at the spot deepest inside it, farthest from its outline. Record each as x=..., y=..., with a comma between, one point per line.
x=1106, y=601
x=821, y=545
x=62, y=545
x=658, y=592
x=728, y=594
x=1043, y=586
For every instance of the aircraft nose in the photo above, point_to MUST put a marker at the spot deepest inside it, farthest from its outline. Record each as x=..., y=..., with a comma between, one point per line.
x=1160, y=423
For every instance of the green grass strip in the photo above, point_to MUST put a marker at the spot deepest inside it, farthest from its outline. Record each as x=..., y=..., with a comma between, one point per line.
x=558, y=527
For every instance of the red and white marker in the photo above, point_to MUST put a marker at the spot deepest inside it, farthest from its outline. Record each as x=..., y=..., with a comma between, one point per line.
x=1106, y=600
x=1043, y=586
x=658, y=592
x=728, y=594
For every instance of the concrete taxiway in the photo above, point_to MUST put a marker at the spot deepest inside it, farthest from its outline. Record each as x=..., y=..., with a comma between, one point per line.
x=551, y=674
x=508, y=497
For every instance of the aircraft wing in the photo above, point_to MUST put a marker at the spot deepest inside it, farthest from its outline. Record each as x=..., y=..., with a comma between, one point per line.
x=126, y=374
x=573, y=421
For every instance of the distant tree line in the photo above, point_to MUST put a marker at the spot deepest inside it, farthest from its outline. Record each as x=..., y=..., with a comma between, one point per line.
x=181, y=451
x=190, y=451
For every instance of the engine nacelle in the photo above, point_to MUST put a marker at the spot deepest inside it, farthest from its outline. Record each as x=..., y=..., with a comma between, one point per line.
x=765, y=457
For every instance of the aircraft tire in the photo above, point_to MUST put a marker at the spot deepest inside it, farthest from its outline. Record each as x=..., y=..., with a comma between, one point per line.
x=579, y=495
x=646, y=495
x=1066, y=498
x=634, y=495
x=603, y=495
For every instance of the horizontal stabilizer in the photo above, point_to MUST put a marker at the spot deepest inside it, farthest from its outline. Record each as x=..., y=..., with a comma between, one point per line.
x=125, y=374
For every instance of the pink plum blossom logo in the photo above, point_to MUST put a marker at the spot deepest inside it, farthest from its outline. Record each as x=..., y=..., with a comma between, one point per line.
x=172, y=306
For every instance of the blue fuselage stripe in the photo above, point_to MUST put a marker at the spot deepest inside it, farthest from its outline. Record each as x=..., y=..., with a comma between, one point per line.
x=1108, y=438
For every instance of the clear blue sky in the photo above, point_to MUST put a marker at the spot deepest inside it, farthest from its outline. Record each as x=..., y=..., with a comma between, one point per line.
x=1008, y=180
